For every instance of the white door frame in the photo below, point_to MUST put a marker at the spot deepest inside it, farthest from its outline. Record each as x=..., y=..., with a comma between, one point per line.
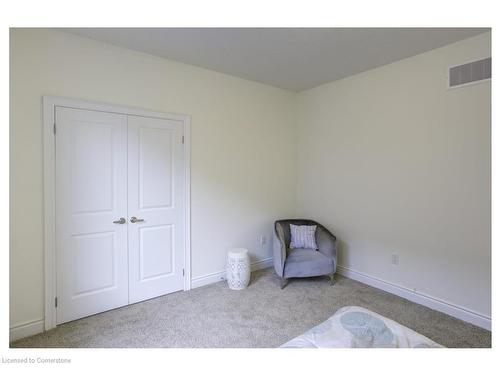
x=49, y=194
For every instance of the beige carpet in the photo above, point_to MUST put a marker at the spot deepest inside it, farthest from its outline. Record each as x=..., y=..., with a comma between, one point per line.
x=263, y=315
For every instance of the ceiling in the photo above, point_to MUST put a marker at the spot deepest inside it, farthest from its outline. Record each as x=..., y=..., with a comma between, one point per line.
x=293, y=59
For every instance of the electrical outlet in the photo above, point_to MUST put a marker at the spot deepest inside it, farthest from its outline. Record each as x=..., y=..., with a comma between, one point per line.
x=263, y=240
x=395, y=259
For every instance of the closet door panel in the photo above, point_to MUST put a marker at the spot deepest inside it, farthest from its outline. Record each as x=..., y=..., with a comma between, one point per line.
x=156, y=207
x=91, y=193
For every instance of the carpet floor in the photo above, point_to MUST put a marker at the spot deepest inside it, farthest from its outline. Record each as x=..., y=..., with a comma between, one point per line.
x=261, y=316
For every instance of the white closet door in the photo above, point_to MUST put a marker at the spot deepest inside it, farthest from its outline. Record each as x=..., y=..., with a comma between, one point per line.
x=91, y=194
x=156, y=199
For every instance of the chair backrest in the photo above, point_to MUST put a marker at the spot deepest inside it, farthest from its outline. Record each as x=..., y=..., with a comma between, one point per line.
x=285, y=225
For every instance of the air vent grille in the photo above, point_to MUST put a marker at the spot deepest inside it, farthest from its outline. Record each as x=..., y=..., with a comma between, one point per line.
x=471, y=72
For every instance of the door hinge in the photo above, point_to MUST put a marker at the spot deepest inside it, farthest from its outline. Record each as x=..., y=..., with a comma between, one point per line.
x=182, y=139
x=183, y=272
x=54, y=128
x=55, y=303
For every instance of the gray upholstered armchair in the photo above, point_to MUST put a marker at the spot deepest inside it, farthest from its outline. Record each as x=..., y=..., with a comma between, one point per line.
x=303, y=262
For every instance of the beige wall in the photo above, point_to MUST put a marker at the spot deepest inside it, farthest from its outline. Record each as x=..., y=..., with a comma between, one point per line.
x=394, y=162
x=243, y=142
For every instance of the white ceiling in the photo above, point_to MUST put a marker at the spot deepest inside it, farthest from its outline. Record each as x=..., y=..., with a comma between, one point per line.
x=294, y=59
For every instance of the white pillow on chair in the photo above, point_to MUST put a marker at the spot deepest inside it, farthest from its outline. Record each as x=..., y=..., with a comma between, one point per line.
x=303, y=237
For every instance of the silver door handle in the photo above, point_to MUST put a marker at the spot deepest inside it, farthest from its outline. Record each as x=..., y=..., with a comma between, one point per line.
x=121, y=221
x=133, y=219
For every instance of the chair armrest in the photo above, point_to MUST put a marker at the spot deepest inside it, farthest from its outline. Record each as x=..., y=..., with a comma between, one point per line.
x=327, y=244
x=279, y=250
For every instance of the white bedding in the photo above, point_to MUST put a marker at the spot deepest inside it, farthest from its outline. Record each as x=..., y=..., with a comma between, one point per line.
x=357, y=327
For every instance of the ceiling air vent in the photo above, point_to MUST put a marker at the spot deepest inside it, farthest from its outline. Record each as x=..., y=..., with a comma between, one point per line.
x=468, y=73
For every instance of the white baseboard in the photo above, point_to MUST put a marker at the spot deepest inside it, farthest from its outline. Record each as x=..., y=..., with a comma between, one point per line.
x=214, y=277
x=26, y=329
x=261, y=264
x=434, y=303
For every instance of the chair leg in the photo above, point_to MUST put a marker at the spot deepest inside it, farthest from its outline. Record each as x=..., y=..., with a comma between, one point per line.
x=283, y=282
x=332, y=279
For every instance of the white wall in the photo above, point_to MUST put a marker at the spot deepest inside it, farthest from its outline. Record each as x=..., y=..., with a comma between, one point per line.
x=393, y=162
x=243, y=145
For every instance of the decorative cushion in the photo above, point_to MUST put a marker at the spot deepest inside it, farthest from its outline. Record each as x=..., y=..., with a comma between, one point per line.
x=303, y=237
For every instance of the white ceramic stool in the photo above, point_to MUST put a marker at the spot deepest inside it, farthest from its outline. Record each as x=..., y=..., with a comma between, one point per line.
x=238, y=269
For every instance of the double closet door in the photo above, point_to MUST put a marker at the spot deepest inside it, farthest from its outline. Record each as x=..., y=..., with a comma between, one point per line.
x=120, y=196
